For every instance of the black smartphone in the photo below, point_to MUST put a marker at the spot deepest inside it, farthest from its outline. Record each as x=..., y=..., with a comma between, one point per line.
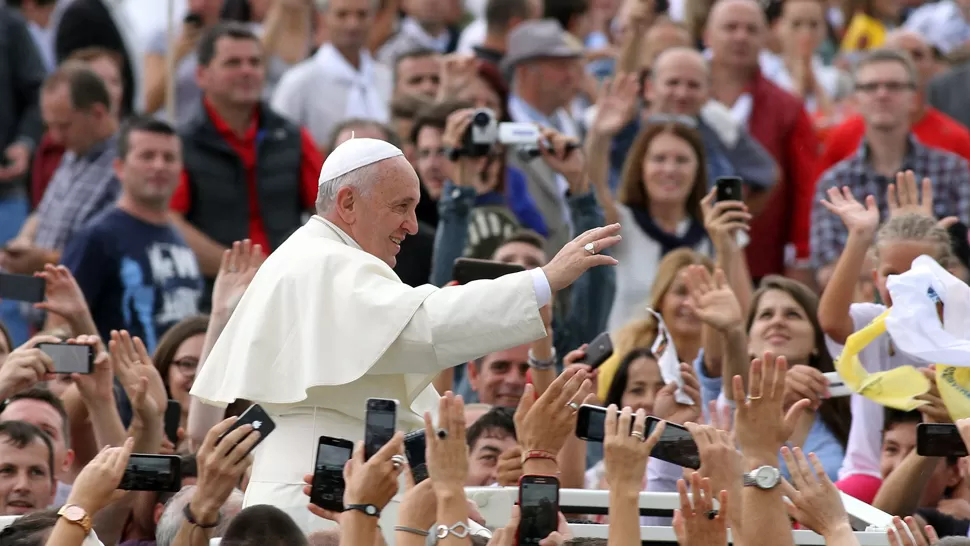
x=676, y=445
x=599, y=350
x=193, y=19
x=467, y=270
x=539, y=506
x=22, y=288
x=327, y=491
x=590, y=423
x=69, y=358
x=152, y=473
x=379, y=425
x=173, y=419
x=729, y=188
x=661, y=6
x=256, y=416
x=415, y=448
x=934, y=440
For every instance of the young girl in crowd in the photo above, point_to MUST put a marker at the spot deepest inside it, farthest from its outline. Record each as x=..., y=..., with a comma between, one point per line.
x=894, y=246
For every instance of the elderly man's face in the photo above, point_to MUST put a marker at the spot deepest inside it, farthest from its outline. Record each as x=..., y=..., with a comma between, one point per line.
x=383, y=215
x=500, y=379
x=735, y=33
x=679, y=84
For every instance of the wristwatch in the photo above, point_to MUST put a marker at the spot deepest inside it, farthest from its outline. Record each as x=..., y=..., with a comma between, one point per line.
x=763, y=477
x=368, y=509
x=76, y=515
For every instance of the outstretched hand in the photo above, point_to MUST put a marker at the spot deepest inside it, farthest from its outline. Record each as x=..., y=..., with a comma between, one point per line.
x=580, y=255
x=237, y=269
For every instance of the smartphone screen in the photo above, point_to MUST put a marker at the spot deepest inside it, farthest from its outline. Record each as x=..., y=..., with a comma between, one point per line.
x=676, y=445
x=539, y=506
x=415, y=448
x=467, y=270
x=69, y=358
x=152, y=473
x=256, y=416
x=599, y=350
x=729, y=188
x=173, y=419
x=934, y=440
x=591, y=423
x=328, y=474
x=380, y=424
x=22, y=288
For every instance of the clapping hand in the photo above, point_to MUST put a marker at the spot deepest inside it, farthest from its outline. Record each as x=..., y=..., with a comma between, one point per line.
x=813, y=500
x=26, y=366
x=667, y=407
x=62, y=295
x=712, y=299
x=96, y=486
x=698, y=523
x=626, y=449
x=236, y=270
x=909, y=534
x=761, y=425
x=580, y=255
x=858, y=218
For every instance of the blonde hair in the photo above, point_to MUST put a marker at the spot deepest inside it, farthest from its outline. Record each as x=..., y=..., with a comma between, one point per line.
x=642, y=332
x=917, y=228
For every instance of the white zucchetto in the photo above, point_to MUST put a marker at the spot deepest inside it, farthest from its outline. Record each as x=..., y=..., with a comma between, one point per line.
x=354, y=154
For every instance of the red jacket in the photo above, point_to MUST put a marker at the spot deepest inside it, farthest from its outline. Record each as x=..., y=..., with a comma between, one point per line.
x=779, y=122
x=47, y=157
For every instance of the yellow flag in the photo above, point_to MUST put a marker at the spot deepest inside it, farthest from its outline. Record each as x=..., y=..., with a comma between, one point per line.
x=952, y=381
x=896, y=388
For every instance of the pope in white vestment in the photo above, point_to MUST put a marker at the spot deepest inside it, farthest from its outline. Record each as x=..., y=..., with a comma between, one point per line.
x=326, y=323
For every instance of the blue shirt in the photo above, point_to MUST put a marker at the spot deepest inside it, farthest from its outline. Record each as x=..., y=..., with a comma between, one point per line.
x=136, y=276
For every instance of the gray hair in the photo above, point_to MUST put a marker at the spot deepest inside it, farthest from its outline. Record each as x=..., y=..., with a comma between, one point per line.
x=324, y=5
x=172, y=518
x=359, y=179
x=885, y=55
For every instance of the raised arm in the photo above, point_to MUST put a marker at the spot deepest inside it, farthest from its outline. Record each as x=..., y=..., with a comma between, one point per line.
x=615, y=108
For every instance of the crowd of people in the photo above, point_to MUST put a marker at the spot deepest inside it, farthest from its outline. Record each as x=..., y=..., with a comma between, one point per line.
x=150, y=177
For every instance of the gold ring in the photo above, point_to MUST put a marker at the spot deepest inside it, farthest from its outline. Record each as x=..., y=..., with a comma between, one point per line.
x=750, y=398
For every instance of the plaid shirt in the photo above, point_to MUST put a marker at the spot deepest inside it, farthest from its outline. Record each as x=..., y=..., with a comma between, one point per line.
x=81, y=188
x=951, y=192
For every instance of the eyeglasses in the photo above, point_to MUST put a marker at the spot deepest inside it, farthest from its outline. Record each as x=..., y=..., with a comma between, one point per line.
x=657, y=119
x=186, y=365
x=892, y=87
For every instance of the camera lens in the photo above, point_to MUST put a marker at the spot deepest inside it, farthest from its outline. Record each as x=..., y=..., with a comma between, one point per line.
x=481, y=119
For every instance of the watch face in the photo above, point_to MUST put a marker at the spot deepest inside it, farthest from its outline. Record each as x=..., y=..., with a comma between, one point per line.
x=74, y=513
x=371, y=510
x=766, y=477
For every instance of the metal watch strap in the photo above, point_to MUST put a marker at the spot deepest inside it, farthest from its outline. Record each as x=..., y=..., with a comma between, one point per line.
x=546, y=364
x=366, y=509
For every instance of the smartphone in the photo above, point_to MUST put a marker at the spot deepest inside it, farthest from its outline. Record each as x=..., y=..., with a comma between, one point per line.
x=22, y=288
x=69, y=358
x=539, y=506
x=256, y=416
x=379, y=425
x=152, y=473
x=327, y=491
x=661, y=6
x=193, y=19
x=173, y=419
x=728, y=188
x=467, y=270
x=933, y=440
x=599, y=350
x=415, y=448
x=590, y=423
x=676, y=445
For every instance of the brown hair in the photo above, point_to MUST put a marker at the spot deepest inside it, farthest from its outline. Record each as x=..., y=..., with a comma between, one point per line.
x=168, y=346
x=835, y=412
x=632, y=191
x=642, y=332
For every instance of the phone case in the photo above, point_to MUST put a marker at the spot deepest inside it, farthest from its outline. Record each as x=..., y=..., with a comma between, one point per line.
x=467, y=270
x=375, y=439
x=534, y=529
x=152, y=473
x=599, y=350
x=258, y=418
x=328, y=486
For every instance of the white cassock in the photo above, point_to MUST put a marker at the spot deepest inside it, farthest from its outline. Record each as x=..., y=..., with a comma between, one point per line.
x=325, y=325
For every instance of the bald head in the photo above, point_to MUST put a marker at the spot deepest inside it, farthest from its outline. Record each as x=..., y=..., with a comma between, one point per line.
x=661, y=36
x=918, y=49
x=679, y=83
x=735, y=32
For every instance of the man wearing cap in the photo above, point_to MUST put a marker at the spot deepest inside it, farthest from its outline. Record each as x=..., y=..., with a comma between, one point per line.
x=540, y=63
x=327, y=324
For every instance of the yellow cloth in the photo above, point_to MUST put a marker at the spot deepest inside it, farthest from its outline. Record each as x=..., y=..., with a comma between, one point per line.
x=604, y=375
x=864, y=32
x=895, y=388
